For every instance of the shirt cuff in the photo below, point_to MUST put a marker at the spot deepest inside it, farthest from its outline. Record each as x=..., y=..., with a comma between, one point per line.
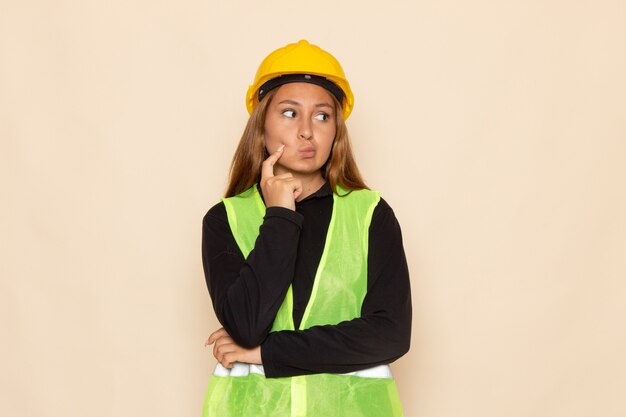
x=285, y=213
x=269, y=365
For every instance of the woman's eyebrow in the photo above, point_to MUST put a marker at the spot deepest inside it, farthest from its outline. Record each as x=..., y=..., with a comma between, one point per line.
x=295, y=103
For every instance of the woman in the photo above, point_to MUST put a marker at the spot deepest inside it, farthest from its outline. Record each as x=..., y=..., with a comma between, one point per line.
x=304, y=264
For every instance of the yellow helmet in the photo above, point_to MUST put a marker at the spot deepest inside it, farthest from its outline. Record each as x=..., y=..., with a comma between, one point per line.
x=301, y=62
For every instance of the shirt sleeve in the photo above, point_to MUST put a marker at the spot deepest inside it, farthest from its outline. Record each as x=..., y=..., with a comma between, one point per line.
x=381, y=335
x=247, y=293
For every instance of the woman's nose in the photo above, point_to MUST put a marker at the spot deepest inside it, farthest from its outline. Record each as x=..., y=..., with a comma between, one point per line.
x=305, y=130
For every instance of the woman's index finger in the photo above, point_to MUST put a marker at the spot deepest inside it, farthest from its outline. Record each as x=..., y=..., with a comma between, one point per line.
x=215, y=335
x=267, y=169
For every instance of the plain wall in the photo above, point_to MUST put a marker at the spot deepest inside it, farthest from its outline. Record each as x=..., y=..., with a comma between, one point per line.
x=496, y=131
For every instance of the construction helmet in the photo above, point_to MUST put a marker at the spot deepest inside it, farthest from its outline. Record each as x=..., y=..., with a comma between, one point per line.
x=301, y=62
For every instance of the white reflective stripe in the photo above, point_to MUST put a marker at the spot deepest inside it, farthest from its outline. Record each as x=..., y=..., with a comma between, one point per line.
x=380, y=371
x=238, y=369
x=245, y=369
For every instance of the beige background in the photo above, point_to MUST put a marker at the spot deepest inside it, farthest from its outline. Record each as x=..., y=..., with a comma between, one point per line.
x=496, y=130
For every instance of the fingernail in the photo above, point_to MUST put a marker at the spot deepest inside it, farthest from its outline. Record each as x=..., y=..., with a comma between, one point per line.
x=281, y=147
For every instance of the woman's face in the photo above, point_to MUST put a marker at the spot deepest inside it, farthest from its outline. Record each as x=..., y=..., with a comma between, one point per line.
x=301, y=116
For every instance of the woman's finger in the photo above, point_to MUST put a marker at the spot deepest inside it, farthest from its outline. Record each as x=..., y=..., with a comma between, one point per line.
x=222, y=350
x=221, y=332
x=235, y=353
x=267, y=169
x=285, y=176
x=297, y=190
x=228, y=359
x=221, y=342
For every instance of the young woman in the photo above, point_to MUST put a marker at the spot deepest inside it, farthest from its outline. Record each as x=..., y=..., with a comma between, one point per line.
x=304, y=264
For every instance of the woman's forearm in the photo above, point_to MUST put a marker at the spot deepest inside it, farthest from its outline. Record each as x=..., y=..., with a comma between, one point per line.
x=246, y=294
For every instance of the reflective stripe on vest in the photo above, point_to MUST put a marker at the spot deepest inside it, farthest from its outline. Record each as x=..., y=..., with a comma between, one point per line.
x=338, y=291
x=245, y=369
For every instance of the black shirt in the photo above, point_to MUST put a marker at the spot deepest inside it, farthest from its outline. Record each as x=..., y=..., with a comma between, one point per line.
x=247, y=293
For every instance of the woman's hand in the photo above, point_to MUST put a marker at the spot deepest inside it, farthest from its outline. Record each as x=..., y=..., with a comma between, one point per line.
x=279, y=190
x=227, y=352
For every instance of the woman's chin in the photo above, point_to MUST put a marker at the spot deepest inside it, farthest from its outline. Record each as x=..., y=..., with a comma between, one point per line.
x=303, y=167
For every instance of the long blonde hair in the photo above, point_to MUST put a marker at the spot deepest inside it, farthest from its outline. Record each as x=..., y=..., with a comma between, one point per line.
x=245, y=169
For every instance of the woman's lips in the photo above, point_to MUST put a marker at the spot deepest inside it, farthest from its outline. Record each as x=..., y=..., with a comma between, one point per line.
x=308, y=152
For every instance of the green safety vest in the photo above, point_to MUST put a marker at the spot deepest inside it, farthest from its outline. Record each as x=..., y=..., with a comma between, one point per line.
x=338, y=291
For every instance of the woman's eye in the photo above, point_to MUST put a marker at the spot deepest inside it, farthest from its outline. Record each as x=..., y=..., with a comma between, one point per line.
x=289, y=113
x=321, y=116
